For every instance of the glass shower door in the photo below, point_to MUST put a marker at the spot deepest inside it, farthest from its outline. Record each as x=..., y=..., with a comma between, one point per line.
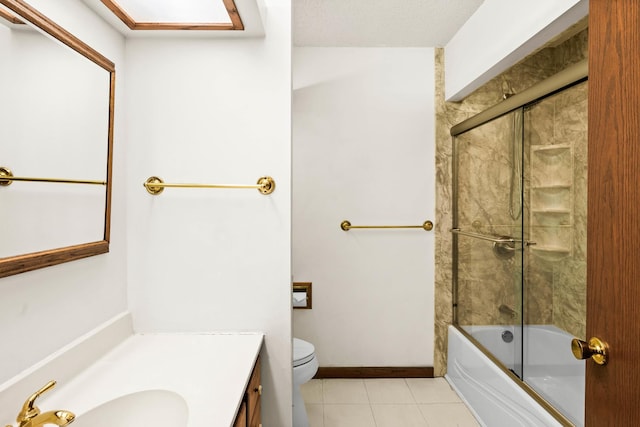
x=487, y=243
x=556, y=267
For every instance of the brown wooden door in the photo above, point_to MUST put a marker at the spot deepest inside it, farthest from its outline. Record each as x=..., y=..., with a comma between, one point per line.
x=613, y=260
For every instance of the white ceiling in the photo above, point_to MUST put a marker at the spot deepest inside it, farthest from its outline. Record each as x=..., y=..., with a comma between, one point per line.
x=371, y=23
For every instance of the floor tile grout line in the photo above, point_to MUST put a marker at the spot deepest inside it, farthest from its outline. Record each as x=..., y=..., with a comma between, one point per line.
x=413, y=396
x=366, y=390
x=416, y=404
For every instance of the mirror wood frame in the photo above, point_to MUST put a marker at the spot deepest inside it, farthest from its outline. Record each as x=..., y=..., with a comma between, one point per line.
x=32, y=261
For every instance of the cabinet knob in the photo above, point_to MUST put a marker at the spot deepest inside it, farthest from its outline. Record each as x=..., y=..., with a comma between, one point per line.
x=258, y=390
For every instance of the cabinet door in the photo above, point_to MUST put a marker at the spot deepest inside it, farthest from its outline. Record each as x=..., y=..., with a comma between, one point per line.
x=241, y=418
x=254, y=391
x=255, y=417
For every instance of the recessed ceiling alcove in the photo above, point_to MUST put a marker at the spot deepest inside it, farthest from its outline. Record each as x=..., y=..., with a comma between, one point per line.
x=172, y=15
x=183, y=18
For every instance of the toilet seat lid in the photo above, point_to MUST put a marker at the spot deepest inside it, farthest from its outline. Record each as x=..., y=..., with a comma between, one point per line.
x=303, y=352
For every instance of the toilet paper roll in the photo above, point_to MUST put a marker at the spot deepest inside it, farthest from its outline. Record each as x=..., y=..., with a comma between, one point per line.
x=299, y=299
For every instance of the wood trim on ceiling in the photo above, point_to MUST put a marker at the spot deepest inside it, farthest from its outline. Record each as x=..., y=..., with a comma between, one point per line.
x=21, y=8
x=375, y=372
x=232, y=10
x=235, y=25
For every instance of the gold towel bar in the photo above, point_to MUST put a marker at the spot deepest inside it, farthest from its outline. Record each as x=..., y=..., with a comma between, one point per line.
x=155, y=185
x=346, y=226
x=7, y=178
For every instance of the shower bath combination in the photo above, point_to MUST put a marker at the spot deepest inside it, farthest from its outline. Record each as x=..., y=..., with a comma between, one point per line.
x=519, y=254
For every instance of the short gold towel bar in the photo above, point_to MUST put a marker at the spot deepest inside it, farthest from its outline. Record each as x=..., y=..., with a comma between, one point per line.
x=7, y=178
x=155, y=185
x=346, y=226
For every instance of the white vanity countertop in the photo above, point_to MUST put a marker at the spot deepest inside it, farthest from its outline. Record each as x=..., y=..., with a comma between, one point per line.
x=210, y=371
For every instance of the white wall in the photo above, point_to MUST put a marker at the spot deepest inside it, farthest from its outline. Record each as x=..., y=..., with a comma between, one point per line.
x=214, y=111
x=363, y=127
x=43, y=310
x=501, y=33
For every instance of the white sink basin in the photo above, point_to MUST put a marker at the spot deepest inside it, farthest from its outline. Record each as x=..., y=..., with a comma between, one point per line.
x=157, y=408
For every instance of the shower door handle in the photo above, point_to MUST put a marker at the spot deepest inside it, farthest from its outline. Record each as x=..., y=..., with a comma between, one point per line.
x=596, y=349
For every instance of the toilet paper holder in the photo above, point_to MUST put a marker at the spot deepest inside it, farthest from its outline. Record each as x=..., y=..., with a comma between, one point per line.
x=301, y=295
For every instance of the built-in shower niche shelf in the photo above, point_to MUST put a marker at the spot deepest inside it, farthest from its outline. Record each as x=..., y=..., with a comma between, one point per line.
x=551, y=217
x=551, y=211
x=556, y=158
x=551, y=198
x=555, y=188
x=551, y=150
x=551, y=165
x=550, y=253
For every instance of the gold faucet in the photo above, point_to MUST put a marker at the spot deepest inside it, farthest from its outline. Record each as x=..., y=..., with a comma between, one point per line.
x=30, y=415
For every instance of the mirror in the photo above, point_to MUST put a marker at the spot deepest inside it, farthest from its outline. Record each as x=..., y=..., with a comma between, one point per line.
x=56, y=138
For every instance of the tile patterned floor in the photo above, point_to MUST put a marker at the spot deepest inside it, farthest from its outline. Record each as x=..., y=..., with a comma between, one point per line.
x=398, y=402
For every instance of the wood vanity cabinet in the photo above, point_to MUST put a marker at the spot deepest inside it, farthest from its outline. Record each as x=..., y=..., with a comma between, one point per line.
x=241, y=418
x=249, y=412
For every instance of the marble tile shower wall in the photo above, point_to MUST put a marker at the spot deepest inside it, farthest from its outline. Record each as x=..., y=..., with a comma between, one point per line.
x=546, y=281
x=486, y=279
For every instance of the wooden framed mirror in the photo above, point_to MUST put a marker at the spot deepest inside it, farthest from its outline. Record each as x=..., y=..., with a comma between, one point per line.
x=56, y=143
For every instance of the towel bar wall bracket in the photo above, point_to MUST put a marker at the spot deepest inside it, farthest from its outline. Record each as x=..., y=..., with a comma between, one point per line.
x=4, y=173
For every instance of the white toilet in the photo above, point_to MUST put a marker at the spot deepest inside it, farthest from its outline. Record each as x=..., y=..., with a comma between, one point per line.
x=305, y=366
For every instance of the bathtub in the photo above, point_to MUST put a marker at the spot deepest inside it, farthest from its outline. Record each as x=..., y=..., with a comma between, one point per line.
x=496, y=399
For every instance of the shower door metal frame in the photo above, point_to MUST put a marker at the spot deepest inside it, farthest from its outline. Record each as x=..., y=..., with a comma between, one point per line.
x=570, y=76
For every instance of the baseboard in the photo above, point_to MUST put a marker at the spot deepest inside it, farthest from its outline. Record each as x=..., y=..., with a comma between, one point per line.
x=374, y=372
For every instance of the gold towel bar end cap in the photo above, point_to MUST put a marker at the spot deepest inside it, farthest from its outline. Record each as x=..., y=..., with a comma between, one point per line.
x=428, y=225
x=345, y=225
x=151, y=188
x=5, y=172
x=267, y=185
